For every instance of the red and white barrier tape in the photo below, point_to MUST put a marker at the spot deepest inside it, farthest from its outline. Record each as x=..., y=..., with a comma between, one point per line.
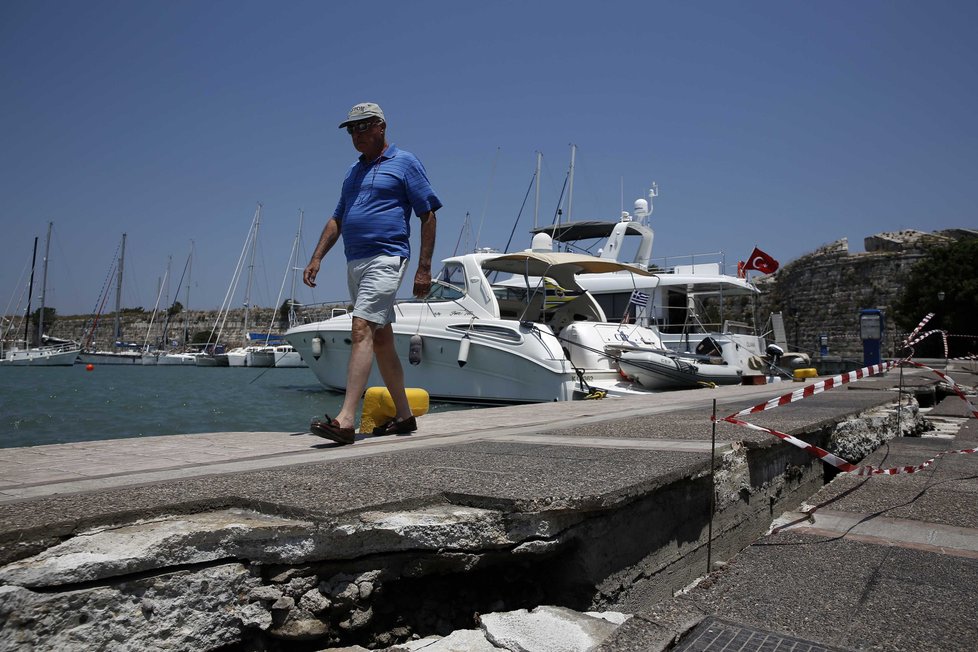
x=835, y=381
x=913, y=333
x=816, y=388
x=924, y=336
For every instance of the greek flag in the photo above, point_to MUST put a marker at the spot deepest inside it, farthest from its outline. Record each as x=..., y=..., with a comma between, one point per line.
x=640, y=299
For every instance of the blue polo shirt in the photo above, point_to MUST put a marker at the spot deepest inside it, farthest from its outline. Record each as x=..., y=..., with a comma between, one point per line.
x=375, y=205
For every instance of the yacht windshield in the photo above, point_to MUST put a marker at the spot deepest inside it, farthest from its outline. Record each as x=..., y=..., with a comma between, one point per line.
x=449, y=285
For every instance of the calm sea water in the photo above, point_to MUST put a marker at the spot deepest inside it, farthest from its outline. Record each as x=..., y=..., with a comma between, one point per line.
x=52, y=405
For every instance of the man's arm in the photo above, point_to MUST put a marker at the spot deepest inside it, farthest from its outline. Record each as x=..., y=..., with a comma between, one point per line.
x=422, y=279
x=329, y=236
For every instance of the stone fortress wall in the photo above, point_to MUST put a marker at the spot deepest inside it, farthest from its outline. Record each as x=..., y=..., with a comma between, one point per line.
x=823, y=292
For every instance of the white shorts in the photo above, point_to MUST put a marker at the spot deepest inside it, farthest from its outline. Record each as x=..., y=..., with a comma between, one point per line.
x=373, y=284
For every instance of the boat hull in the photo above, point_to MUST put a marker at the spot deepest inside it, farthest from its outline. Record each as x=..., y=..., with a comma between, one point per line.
x=261, y=358
x=496, y=370
x=171, y=359
x=212, y=360
x=110, y=358
x=287, y=357
x=55, y=357
x=656, y=371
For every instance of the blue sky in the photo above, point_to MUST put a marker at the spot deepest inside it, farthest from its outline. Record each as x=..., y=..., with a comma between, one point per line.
x=785, y=125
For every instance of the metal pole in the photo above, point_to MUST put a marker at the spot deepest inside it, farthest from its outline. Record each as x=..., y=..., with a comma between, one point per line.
x=713, y=490
x=900, y=405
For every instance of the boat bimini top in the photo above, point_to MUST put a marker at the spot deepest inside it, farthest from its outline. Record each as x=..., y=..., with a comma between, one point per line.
x=560, y=266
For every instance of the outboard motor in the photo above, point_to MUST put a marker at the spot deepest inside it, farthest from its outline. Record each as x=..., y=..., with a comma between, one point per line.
x=774, y=353
x=709, y=346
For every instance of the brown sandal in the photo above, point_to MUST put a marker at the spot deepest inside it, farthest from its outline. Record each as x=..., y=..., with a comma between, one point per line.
x=330, y=429
x=395, y=427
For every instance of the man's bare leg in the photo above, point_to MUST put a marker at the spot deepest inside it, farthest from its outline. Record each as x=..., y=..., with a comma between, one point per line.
x=391, y=370
x=361, y=359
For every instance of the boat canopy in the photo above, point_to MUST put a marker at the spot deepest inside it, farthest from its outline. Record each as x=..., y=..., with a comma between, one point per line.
x=560, y=266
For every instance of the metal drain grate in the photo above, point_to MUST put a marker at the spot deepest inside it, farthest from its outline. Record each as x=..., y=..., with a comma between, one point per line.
x=715, y=635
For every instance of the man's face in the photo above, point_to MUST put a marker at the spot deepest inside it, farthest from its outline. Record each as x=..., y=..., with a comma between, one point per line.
x=368, y=136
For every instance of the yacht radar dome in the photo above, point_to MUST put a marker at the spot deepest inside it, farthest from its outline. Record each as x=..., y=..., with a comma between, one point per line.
x=542, y=242
x=641, y=209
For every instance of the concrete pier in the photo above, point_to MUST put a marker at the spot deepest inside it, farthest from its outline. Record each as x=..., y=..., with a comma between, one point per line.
x=287, y=541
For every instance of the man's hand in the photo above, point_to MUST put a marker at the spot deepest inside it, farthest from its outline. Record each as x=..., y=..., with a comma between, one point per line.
x=422, y=283
x=331, y=232
x=310, y=272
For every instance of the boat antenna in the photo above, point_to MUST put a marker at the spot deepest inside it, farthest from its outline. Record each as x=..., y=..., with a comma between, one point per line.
x=536, y=176
x=466, y=227
x=570, y=189
x=518, y=215
x=485, y=207
x=560, y=198
x=653, y=193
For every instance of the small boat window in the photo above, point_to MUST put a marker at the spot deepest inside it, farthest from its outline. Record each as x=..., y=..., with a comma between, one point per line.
x=489, y=330
x=449, y=285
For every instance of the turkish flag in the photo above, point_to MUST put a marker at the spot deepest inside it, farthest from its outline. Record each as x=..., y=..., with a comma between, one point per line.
x=761, y=261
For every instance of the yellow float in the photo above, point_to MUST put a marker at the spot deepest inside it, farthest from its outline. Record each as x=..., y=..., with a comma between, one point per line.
x=378, y=406
x=802, y=374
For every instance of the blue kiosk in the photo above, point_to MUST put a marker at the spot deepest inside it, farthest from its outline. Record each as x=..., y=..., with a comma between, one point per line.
x=871, y=329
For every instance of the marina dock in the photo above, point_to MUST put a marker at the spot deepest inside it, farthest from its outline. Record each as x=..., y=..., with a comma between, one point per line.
x=636, y=506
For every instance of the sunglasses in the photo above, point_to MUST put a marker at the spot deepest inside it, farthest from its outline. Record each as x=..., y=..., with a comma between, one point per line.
x=359, y=127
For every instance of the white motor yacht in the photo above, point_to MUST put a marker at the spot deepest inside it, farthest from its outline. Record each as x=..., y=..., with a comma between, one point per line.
x=673, y=298
x=482, y=342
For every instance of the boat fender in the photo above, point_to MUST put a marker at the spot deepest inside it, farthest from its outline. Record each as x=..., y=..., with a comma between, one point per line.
x=378, y=406
x=463, y=350
x=317, y=347
x=414, y=350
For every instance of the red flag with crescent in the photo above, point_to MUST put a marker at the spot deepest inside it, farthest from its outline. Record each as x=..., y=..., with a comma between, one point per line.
x=761, y=261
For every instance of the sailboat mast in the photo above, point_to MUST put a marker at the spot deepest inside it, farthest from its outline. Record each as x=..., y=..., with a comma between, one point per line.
x=251, y=269
x=117, y=326
x=186, y=305
x=44, y=287
x=30, y=294
x=294, y=261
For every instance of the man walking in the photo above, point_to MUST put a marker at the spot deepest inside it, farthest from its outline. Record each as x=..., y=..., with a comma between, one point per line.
x=373, y=215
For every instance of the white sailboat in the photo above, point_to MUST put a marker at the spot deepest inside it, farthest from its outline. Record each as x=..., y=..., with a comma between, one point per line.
x=251, y=355
x=180, y=357
x=61, y=353
x=214, y=354
x=284, y=353
x=89, y=355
